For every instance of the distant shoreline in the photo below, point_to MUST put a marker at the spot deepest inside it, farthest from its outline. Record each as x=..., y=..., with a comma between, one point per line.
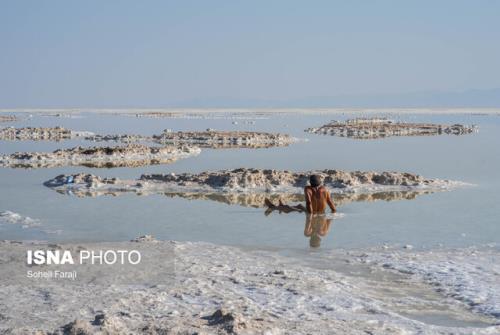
x=312, y=111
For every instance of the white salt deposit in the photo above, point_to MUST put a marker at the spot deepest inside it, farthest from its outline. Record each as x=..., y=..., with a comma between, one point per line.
x=223, y=290
x=468, y=275
x=9, y=217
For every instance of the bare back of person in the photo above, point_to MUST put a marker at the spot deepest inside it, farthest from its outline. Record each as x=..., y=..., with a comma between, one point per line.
x=317, y=198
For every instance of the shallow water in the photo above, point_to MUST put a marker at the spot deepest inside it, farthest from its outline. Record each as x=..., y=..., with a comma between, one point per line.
x=458, y=218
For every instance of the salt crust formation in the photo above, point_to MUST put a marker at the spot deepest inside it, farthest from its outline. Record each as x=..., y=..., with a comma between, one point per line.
x=131, y=155
x=249, y=187
x=209, y=138
x=373, y=128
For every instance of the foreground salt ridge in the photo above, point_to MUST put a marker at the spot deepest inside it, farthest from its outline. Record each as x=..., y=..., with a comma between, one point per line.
x=247, y=180
x=373, y=128
x=120, y=156
x=226, y=290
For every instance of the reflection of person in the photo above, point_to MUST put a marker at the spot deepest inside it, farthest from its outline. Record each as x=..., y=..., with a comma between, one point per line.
x=317, y=198
x=316, y=227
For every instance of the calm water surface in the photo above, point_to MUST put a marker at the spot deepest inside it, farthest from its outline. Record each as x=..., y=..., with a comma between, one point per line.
x=462, y=217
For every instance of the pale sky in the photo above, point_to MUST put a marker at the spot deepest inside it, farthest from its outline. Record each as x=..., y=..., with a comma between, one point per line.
x=165, y=53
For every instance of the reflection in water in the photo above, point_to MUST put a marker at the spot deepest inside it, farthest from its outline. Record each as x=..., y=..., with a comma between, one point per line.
x=132, y=163
x=316, y=227
x=255, y=200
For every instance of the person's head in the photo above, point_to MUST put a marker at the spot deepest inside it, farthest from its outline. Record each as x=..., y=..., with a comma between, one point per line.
x=315, y=180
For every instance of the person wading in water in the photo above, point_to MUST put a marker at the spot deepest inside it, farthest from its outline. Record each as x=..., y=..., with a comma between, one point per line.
x=317, y=198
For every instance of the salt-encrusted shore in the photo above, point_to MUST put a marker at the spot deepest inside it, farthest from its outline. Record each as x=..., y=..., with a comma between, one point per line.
x=372, y=128
x=228, y=290
x=248, y=181
x=131, y=155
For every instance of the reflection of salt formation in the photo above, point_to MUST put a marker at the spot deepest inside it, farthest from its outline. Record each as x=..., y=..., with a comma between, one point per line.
x=379, y=128
x=231, y=187
x=255, y=200
x=202, y=114
x=8, y=118
x=123, y=138
x=35, y=134
x=342, y=199
x=205, y=139
x=125, y=156
x=224, y=139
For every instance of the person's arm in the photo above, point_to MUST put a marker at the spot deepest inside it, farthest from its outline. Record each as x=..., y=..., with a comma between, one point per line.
x=330, y=202
x=307, y=194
